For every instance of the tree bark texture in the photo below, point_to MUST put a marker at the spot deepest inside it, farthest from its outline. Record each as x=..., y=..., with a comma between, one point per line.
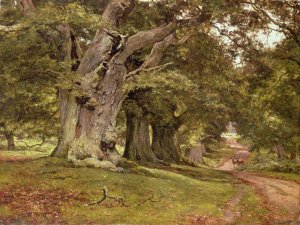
x=138, y=147
x=279, y=149
x=88, y=121
x=27, y=7
x=195, y=155
x=163, y=143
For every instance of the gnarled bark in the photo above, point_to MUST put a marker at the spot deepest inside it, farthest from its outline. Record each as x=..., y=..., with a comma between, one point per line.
x=163, y=143
x=88, y=119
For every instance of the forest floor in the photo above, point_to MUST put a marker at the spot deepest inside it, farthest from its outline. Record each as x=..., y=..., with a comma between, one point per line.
x=51, y=191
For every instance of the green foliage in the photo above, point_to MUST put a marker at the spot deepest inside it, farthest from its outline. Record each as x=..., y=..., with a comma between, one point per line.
x=33, y=65
x=270, y=162
x=272, y=98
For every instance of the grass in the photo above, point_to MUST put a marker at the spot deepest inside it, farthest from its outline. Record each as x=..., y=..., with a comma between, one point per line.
x=269, y=165
x=20, y=145
x=251, y=208
x=21, y=155
x=48, y=190
x=51, y=191
x=281, y=175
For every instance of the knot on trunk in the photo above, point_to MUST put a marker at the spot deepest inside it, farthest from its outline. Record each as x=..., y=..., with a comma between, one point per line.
x=88, y=102
x=103, y=67
x=118, y=41
x=107, y=146
x=82, y=100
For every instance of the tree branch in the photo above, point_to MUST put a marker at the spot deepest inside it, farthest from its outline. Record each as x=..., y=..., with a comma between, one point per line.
x=283, y=26
x=141, y=69
x=144, y=39
x=205, y=137
x=154, y=58
x=158, y=50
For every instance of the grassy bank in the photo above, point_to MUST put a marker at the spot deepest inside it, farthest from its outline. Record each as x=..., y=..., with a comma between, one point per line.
x=50, y=191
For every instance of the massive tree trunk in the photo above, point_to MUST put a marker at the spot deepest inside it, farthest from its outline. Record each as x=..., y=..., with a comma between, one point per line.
x=163, y=144
x=88, y=114
x=138, y=146
x=88, y=119
x=10, y=140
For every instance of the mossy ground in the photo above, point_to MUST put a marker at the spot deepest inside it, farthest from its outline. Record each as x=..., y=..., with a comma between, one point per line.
x=252, y=209
x=51, y=191
x=48, y=190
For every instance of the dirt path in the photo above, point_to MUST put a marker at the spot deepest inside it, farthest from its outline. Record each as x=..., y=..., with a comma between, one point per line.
x=229, y=213
x=285, y=195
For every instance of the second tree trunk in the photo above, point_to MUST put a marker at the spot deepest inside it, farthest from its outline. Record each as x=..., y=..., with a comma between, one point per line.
x=164, y=145
x=138, y=146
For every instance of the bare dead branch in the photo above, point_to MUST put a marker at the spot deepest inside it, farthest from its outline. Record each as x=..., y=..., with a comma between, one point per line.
x=184, y=39
x=150, y=198
x=139, y=70
x=205, y=137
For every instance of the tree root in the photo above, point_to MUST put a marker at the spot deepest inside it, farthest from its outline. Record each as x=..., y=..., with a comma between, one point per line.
x=120, y=201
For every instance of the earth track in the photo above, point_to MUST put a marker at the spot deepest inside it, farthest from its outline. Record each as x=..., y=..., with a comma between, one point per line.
x=282, y=194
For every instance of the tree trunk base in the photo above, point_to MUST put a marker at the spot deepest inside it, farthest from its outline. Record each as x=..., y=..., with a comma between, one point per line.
x=95, y=163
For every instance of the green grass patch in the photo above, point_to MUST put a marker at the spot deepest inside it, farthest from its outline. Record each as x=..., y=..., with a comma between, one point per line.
x=31, y=145
x=281, y=175
x=19, y=155
x=270, y=162
x=176, y=192
x=251, y=208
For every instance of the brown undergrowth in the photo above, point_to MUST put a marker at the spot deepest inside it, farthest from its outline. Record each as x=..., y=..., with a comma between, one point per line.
x=36, y=205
